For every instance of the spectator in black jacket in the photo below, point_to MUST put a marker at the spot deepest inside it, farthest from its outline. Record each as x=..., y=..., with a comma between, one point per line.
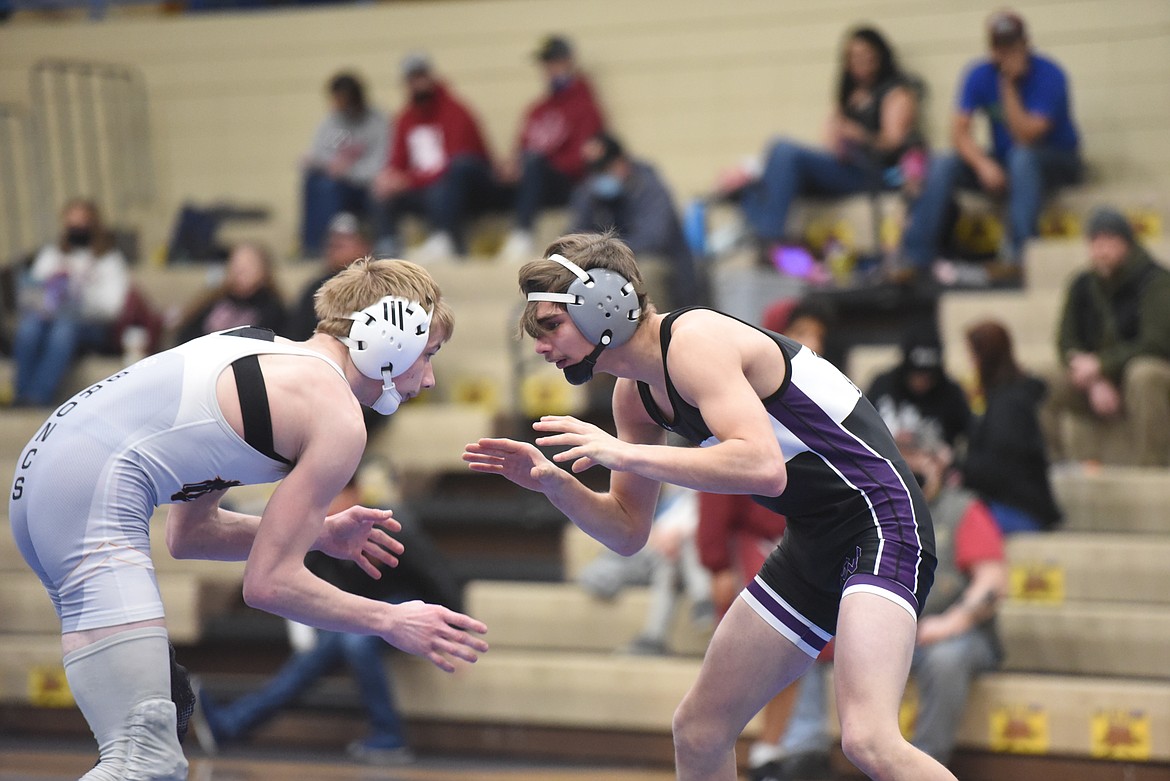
x=1006, y=462
x=918, y=389
x=345, y=242
x=422, y=573
x=247, y=296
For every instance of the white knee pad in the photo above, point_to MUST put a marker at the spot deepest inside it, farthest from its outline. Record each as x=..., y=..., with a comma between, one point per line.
x=122, y=684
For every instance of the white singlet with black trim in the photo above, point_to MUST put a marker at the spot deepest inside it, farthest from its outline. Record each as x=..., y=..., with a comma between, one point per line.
x=90, y=478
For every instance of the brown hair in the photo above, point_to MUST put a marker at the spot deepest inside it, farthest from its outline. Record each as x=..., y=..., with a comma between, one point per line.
x=587, y=250
x=991, y=347
x=102, y=241
x=366, y=281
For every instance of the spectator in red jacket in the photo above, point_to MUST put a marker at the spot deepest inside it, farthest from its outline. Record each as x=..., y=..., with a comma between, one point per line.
x=547, y=162
x=438, y=167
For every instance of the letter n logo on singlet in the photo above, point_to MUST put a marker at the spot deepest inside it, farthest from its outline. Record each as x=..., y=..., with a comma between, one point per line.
x=192, y=491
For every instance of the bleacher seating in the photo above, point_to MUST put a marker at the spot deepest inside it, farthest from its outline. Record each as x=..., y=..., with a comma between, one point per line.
x=1087, y=629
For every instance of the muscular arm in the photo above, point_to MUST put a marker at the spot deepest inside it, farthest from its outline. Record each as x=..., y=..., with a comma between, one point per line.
x=201, y=529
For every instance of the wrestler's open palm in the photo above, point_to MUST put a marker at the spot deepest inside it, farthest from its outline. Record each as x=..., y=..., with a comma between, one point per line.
x=436, y=633
x=587, y=445
x=520, y=462
x=359, y=534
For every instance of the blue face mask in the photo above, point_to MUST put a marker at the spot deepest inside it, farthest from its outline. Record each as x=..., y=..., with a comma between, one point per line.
x=558, y=83
x=606, y=186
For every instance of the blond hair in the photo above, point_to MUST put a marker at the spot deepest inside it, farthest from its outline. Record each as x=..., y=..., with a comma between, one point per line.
x=366, y=281
x=587, y=250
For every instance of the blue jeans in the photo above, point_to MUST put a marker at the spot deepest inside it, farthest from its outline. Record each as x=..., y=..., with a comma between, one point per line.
x=1013, y=519
x=363, y=654
x=44, y=348
x=1031, y=172
x=324, y=197
x=540, y=186
x=808, y=726
x=793, y=170
x=467, y=185
x=944, y=672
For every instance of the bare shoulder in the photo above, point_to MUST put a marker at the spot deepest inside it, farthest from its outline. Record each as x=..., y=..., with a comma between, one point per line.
x=310, y=400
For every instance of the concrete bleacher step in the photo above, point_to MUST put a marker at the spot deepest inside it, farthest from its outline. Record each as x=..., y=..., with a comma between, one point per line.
x=1087, y=638
x=563, y=616
x=1030, y=317
x=1113, y=498
x=429, y=438
x=17, y=427
x=1101, y=567
x=188, y=599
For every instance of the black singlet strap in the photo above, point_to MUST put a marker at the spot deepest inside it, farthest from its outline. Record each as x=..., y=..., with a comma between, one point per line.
x=254, y=405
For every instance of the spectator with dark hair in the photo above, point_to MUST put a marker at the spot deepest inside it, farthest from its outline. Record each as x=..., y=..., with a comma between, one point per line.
x=1035, y=146
x=628, y=196
x=421, y=574
x=918, y=389
x=1114, y=342
x=809, y=321
x=438, y=167
x=873, y=142
x=548, y=163
x=344, y=243
x=248, y=295
x=1006, y=463
x=70, y=300
x=348, y=150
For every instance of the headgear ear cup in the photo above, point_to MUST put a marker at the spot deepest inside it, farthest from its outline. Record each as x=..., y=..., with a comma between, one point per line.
x=602, y=304
x=385, y=340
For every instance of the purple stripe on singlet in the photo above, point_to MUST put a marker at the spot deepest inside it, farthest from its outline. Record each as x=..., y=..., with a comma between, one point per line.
x=806, y=633
x=874, y=476
x=897, y=589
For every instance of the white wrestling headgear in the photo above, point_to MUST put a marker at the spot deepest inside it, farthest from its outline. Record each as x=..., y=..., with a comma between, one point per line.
x=603, y=305
x=385, y=340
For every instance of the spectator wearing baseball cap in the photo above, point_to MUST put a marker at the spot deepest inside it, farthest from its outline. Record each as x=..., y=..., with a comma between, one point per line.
x=1114, y=344
x=345, y=242
x=438, y=167
x=918, y=390
x=1035, y=145
x=546, y=162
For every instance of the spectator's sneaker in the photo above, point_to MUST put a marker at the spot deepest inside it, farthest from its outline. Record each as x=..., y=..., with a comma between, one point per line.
x=439, y=247
x=645, y=646
x=201, y=719
x=373, y=754
x=518, y=248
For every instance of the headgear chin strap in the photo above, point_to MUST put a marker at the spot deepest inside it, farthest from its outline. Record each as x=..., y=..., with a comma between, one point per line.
x=603, y=305
x=385, y=340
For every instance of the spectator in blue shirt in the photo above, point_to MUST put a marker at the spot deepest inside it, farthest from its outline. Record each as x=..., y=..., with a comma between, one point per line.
x=1025, y=97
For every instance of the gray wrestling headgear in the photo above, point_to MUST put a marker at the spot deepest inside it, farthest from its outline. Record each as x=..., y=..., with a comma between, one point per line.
x=385, y=340
x=603, y=305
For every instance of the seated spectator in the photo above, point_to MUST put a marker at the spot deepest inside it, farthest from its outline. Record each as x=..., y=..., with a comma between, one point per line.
x=344, y=243
x=348, y=150
x=918, y=390
x=421, y=574
x=668, y=564
x=438, y=167
x=1006, y=464
x=1114, y=343
x=70, y=301
x=628, y=196
x=247, y=296
x=547, y=163
x=1035, y=147
x=873, y=142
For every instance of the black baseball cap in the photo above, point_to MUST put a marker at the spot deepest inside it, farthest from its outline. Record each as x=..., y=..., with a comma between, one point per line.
x=1005, y=28
x=554, y=47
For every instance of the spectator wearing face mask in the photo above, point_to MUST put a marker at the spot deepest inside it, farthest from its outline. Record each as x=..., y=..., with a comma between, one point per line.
x=438, y=167
x=71, y=298
x=628, y=196
x=548, y=161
